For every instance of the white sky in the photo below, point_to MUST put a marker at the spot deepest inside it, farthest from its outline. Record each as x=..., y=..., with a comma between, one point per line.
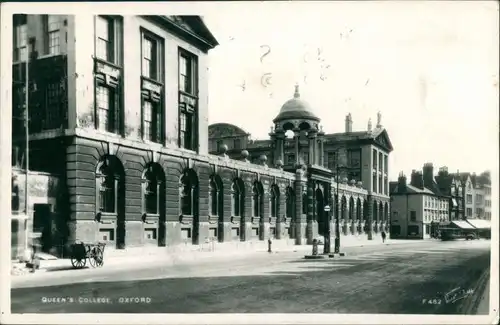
x=429, y=67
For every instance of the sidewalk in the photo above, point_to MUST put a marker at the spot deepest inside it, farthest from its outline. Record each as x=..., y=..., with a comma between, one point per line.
x=186, y=254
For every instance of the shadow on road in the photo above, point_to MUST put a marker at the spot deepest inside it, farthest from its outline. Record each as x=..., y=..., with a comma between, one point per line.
x=65, y=268
x=376, y=287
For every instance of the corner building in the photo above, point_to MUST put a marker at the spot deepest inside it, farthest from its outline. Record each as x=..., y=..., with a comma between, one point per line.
x=347, y=170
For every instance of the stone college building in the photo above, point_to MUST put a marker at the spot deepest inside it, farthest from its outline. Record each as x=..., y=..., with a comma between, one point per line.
x=119, y=145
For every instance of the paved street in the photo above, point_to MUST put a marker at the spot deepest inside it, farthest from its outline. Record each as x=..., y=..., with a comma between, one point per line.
x=407, y=279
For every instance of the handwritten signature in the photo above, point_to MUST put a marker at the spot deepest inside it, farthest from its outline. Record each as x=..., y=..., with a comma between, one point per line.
x=457, y=294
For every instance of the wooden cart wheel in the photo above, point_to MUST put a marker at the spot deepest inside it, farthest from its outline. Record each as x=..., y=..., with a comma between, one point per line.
x=99, y=257
x=78, y=263
x=92, y=257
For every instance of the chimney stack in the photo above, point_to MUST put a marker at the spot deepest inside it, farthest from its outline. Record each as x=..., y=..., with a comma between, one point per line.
x=379, y=120
x=348, y=123
x=401, y=183
x=428, y=174
x=417, y=179
x=443, y=171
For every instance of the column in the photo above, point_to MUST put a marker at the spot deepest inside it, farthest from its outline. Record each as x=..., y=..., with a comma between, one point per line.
x=281, y=145
x=300, y=220
x=310, y=215
x=312, y=147
x=297, y=151
x=322, y=152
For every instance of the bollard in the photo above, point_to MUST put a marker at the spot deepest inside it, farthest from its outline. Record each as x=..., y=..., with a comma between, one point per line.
x=269, y=243
x=315, y=247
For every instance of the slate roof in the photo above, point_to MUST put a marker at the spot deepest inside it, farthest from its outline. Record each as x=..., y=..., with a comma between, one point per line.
x=221, y=130
x=409, y=189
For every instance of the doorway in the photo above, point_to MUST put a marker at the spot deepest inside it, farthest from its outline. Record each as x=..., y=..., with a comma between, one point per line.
x=42, y=224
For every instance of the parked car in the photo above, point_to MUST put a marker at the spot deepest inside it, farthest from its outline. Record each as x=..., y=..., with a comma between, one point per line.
x=470, y=236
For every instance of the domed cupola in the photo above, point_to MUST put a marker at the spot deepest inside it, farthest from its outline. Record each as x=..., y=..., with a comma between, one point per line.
x=296, y=109
x=296, y=115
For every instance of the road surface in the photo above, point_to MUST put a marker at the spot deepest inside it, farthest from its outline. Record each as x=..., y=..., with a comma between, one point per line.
x=430, y=277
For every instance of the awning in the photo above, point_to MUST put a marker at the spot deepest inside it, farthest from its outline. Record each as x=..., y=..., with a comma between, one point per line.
x=480, y=224
x=462, y=224
x=454, y=202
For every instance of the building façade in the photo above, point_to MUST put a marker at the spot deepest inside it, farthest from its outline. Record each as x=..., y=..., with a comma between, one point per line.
x=358, y=160
x=118, y=150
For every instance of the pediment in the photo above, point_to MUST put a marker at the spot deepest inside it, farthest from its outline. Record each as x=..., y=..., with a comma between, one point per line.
x=182, y=22
x=383, y=140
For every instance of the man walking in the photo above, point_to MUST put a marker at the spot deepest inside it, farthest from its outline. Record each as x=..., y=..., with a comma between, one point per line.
x=383, y=236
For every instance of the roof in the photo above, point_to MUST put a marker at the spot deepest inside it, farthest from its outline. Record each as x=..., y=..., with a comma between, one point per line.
x=296, y=108
x=433, y=186
x=480, y=223
x=191, y=28
x=378, y=135
x=222, y=130
x=444, y=181
x=409, y=189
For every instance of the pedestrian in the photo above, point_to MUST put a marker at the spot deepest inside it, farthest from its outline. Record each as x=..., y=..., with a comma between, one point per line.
x=383, y=236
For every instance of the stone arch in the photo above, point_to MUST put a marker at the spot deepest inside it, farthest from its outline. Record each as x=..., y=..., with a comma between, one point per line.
x=258, y=200
x=352, y=214
x=365, y=210
x=290, y=210
x=238, y=191
x=320, y=204
x=375, y=213
x=358, y=209
x=154, y=198
x=216, y=198
x=343, y=209
x=288, y=126
x=189, y=197
x=274, y=200
x=110, y=198
x=304, y=202
x=304, y=126
x=381, y=214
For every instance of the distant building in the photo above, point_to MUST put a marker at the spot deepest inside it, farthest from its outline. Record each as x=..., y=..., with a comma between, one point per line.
x=451, y=186
x=477, y=193
x=415, y=207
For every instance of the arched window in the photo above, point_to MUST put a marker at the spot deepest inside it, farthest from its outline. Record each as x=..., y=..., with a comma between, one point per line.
x=237, y=198
x=258, y=196
x=304, y=203
x=275, y=203
x=289, y=203
x=215, y=195
x=107, y=184
x=186, y=194
x=151, y=188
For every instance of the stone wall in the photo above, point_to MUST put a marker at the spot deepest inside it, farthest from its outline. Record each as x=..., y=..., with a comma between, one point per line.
x=83, y=156
x=45, y=199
